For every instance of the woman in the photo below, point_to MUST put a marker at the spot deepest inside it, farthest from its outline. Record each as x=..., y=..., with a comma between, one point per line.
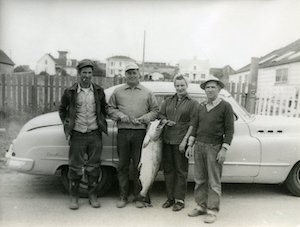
x=177, y=112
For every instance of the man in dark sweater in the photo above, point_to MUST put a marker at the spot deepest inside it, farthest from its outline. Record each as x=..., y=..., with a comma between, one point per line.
x=212, y=135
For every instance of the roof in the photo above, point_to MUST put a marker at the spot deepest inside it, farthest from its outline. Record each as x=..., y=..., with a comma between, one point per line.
x=284, y=55
x=121, y=57
x=4, y=59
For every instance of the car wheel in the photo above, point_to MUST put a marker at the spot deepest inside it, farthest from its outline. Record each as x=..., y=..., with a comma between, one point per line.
x=293, y=180
x=105, y=181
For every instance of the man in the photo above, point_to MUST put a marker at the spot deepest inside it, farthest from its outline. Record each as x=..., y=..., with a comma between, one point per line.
x=133, y=106
x=213, y=133
x=83, y=111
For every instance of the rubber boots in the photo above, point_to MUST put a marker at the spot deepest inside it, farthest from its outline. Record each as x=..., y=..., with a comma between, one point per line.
x=92, y=190
x=73, y=189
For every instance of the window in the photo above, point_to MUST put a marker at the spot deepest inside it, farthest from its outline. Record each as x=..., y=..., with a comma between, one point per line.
x=112, y=72
x=195, y=67
x=281, y=75
x=112, y=63
x=120, y=63
x=46, y=62
x=202, y=76
x=194, y=76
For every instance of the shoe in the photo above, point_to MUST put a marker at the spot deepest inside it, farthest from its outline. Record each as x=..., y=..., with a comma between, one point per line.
x=196, y=212
x=122, y=203
x=168, y=203
x=94, y=201
x=139, y=204
x=210, y=218
x=73, y=203
x=178, y=206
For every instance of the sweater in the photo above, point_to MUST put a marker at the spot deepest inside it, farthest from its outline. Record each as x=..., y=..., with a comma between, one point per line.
x=215, y=126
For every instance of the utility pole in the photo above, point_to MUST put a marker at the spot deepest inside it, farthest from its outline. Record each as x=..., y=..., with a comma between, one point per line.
x=252, y=85
x=144, y=43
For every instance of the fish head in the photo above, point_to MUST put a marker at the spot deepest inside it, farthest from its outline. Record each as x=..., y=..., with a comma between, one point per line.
x=155, y=129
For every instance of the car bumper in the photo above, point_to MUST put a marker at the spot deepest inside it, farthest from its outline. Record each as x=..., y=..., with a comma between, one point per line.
x=18, y=164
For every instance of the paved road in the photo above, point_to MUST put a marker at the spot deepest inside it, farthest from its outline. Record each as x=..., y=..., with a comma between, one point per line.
x=27, y=200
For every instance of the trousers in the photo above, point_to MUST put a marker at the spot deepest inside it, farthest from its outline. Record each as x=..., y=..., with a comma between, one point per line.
x=207, y=174
x=175, y=166
x=85, y=152
x=129, y=145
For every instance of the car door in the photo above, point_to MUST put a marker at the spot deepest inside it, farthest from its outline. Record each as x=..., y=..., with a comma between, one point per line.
x=244, y=156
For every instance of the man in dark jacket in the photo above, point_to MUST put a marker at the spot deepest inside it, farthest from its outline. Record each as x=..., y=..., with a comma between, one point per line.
x=83, y=110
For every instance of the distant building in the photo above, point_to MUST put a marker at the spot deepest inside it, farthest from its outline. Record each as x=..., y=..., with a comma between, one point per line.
x=157, y=70
x=222, y=73
x=57, y=66
x=115, y=65
x=194, y=69
x=277, y=70
x=6, y=64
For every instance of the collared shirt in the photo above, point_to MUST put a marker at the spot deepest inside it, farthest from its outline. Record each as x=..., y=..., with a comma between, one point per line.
x=133, y=102
x=183, y=112
x=85, y=110
x=213, y=104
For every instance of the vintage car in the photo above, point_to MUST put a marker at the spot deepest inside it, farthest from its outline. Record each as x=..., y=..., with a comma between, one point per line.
x=265, y=149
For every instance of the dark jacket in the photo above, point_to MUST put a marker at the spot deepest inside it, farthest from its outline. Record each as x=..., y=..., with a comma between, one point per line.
x=67, y=108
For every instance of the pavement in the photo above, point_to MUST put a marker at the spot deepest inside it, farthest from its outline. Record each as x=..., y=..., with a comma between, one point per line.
x=32, y=200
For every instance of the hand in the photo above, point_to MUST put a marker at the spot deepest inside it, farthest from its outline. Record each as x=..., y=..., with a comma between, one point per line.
x=189, y=152
x=182, y=145
x=68, y=137
x=124, y=119
x=135, y=121
x=221, y=155
x=171, y=123
x=143, y=120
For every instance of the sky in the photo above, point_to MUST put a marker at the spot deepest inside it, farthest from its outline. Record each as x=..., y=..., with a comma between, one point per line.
x=226, y=32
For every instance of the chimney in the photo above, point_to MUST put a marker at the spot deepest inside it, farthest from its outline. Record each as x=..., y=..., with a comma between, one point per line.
x=62, y=55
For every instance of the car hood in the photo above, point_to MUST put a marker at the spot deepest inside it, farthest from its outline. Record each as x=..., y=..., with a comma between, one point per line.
x=275, y=124
x=43, y=120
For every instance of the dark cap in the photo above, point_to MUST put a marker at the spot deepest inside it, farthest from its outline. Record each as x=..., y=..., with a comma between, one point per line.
x=215, y=79
x=85, y=63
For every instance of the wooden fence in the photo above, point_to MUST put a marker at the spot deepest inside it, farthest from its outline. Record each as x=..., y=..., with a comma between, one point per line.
x=36, y=94
x=26, y=92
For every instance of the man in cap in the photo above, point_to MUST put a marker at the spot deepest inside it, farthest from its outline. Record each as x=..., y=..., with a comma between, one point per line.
x=212, y=135
x=133, y=106
x=83, y=110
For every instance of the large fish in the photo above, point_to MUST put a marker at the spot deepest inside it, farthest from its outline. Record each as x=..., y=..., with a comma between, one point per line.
x=150, y=156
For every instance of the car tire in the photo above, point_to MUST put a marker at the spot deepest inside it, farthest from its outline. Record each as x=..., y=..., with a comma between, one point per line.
x=293, y=180
x=106, y=179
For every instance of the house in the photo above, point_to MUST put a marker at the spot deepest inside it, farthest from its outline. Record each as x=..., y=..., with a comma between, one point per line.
x=57, y=66
x=196, y=70
x=115, y=65
x=6, y=64
x=157, y=70
x=222, y=73
x=278, y=70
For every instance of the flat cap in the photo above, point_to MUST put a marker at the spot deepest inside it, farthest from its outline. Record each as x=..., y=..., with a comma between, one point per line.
x=85, y=63
x=215, y=79
x=131, y=66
